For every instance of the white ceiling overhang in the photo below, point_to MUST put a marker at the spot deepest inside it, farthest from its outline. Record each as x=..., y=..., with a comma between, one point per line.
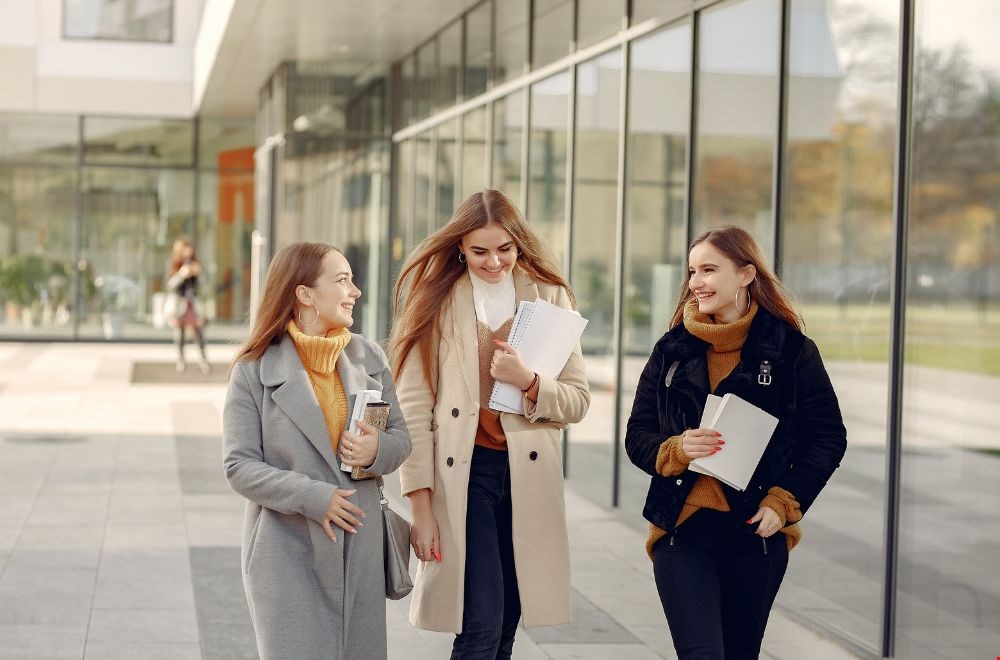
x=241, y=42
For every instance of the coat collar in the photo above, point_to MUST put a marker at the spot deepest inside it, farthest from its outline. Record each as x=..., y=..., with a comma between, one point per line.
x=281, y=368
x=464, y=322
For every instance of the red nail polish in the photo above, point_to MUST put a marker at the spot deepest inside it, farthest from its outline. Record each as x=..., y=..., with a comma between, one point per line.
x=750, y=521
x=722, y=442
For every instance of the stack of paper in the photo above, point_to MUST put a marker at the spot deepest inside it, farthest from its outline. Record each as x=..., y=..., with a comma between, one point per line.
x=545, y=336
x=746, y=429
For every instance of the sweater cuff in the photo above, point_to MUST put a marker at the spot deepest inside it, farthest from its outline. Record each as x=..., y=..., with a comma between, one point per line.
x=784, y=504
x=671, y=459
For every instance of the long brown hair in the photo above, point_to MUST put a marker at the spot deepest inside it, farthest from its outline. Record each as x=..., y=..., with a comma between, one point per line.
x=739, y=247
x=295, y=264
x=176, y=260
x=433, y=268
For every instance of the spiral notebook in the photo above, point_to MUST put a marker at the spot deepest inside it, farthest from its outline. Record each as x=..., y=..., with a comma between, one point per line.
x=746, y=429
x=545, y=336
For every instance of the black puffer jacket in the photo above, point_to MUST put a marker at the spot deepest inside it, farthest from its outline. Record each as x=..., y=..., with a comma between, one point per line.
x=806, y=447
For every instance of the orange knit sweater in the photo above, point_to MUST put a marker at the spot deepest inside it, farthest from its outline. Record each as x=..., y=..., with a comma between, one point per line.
x=319, y=357
x=723, y=354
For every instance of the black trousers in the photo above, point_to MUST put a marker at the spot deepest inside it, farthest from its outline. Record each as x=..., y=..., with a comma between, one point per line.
x=717, y=581
x=492, y=606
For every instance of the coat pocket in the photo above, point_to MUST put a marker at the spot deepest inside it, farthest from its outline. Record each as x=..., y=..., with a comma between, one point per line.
x=251, y=541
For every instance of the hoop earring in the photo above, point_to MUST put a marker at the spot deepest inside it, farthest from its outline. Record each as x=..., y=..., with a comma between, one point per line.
x=306, y=325
x=738, y=302
x=461, y=257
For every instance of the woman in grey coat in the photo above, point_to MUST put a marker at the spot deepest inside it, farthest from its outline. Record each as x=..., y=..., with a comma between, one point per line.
x=312, y=536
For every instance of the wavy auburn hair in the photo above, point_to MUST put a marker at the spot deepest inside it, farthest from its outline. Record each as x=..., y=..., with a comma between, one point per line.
x=295, y=264
x=737, y=245
x=427, y=278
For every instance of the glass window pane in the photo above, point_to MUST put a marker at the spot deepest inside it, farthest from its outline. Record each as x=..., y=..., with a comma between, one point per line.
x=478, y=55
x=402, y=226
x=645, y=9
x=837, y=224
x=37, y=262
x=50, y=139
x=447, y=151
x=948, y=592
x=473, y=152
x=598, y=19
x=595, y=205
x=225, y=225
x=224, y=143
x=422, y=198
x=508, y=138
x=149, y=20
x=426, y=67
x=656, y=184
x=449, y=66
x=128, y=141
x=737, y=117
x=511, y=39
x=547, y=167
x=553, y=31
x=408, y=85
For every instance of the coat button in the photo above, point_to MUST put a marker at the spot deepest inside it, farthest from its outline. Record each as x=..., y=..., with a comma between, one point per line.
x=454, y=412
x=450, y=461
x=533, y=455
x=679, y=482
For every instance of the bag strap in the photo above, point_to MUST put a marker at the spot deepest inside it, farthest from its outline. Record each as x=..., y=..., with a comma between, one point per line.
x=381, y=491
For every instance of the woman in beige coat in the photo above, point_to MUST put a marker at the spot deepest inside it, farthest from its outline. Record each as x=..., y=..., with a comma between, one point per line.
x=486, y=489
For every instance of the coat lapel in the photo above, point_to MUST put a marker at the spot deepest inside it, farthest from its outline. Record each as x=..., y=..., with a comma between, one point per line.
x=281, y=368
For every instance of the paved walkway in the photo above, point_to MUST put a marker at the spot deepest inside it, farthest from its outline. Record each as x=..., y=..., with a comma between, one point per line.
x=119, y=537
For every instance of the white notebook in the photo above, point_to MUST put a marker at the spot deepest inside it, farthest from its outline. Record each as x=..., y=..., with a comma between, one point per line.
x=545, y=336
x=746, y=429
x=362, y=399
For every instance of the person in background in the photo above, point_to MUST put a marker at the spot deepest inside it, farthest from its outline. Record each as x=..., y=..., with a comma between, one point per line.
x=182, y=308
x=719, y=554
x=485, y=488
x=312, y=555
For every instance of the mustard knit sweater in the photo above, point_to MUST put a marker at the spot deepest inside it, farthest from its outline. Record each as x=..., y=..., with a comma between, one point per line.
x=723, y=354
x=319, y=357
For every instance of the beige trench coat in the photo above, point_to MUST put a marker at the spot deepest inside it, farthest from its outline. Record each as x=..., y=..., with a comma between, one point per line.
x=443, y=431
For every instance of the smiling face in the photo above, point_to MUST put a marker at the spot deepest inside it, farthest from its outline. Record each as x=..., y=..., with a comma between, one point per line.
x=332, y=295
x=490, y=252
x=715, y=279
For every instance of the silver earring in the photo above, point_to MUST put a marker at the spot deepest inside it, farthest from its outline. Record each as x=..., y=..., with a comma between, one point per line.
x=306, y=325
x=461, y=257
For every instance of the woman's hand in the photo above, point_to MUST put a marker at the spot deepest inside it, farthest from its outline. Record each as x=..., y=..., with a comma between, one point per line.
x=425, y=537
x=699, y=443
x=770, y=522
x=342, y=513
x=359, y=450
x=507, y=367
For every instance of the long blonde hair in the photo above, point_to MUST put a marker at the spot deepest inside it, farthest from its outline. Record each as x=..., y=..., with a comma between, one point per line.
x=433, y=268
x=295, y=264
x=739, y=247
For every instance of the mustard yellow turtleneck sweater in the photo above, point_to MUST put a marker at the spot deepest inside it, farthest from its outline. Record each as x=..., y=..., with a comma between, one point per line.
x=319, y=356
x=725, y=342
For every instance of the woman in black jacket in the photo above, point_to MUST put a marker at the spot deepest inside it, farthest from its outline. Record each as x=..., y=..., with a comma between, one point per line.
x=719, y=554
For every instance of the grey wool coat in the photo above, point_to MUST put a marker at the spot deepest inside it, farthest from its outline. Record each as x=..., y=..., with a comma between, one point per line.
x=309, y=597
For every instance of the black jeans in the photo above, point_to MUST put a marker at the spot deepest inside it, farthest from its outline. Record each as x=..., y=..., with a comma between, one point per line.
x=717, y=581
x=492, y=605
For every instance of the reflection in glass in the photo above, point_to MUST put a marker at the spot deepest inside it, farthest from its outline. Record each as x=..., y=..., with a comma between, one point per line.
x=447, y=158
x=547, y=166
x=38, y=293
x=655, y=242
x=473, y=152
x=552, y=33
x=737, y=117
x=133, y=141
x=838, y=190
x=477, y=50
x=511, y=39
x=49, y=139
x=598, y=19
x=508, y=137
x=948, y=594
x=449, y=66
x=595, y=203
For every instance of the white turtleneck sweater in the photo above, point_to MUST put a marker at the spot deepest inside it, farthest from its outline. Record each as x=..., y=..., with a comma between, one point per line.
x=495, y=301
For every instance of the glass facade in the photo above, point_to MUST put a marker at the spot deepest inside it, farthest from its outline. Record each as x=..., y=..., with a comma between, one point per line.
x=89, y=207
x=122, y=20
x=791, y=126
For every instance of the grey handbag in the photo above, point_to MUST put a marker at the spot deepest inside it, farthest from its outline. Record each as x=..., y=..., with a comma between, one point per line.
x=395, y=550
